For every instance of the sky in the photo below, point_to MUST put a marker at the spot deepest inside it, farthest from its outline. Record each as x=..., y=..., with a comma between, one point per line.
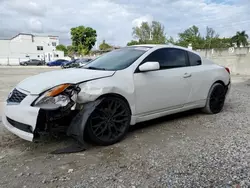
x=114, y=19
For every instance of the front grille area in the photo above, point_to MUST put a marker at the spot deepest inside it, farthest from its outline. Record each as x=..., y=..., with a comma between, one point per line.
x=21, y=126
x=16, y=96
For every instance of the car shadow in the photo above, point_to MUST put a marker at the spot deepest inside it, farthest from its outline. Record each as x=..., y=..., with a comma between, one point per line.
x=49, y=144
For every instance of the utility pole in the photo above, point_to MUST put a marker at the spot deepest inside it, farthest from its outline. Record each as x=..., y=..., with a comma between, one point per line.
x=150, y=36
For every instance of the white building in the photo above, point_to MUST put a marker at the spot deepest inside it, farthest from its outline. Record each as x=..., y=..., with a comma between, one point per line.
x=27, y=46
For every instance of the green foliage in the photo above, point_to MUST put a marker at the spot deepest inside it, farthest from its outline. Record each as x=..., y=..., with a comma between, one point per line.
x=154, y=34
x=104, y=46
x=211, y=39
x=171, y=40
x=63, y=48
x=148, y=34
x=71, y=51
x=191, y=36
x=83, y=39
x=132, y=42
x=240, y=38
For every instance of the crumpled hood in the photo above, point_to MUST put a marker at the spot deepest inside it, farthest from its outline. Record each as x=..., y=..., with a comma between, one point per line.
x=44, y=81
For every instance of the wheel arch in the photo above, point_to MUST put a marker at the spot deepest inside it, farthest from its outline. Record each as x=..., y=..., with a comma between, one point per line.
x=219, y=82
x=118, y=96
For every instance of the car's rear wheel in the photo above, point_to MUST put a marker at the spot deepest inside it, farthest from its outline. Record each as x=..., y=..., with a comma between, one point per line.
x=109, y=122
x=216, y=99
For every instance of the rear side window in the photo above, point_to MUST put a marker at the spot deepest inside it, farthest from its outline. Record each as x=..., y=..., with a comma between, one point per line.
x=194, y=59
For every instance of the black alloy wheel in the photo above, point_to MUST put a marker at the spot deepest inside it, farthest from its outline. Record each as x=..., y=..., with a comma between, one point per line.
x=109, y=122
x=217, y=98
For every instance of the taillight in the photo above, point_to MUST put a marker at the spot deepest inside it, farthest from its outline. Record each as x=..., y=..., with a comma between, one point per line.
x=228, y=70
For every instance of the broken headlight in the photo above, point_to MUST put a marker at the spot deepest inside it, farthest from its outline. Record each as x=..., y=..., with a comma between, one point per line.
x=59, y=96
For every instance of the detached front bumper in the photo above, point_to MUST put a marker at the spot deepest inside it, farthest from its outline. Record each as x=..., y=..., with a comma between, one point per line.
x=21, y=118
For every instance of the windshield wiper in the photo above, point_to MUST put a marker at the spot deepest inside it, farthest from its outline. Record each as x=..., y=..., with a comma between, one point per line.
x=95, y=68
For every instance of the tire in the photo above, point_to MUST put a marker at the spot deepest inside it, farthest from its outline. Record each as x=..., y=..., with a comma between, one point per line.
x=216, y=99
x=25, y=64
x=109, y=122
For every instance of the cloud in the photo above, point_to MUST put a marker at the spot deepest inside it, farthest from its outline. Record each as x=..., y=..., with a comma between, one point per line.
x=35, y=25
x=26, y=7
x=114, y=19
x=138, y=21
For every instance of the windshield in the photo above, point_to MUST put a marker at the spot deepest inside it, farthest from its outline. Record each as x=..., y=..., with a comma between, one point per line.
x=117, y=59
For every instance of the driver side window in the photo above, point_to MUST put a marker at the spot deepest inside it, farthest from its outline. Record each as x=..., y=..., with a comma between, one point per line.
x=169, y=58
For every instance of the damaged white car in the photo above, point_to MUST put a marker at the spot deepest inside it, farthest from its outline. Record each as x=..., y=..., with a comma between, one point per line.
x=121, y=88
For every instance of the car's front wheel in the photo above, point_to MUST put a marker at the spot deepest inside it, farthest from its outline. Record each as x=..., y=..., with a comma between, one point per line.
x=216, y=99
x=109, y=122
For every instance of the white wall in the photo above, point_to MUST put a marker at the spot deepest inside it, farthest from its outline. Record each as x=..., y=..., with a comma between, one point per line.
x=4, y=47
x=11, y=61
x=25, y=46
x=237, y=59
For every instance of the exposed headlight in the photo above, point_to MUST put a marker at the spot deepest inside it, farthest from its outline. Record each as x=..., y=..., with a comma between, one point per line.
x=59, y=96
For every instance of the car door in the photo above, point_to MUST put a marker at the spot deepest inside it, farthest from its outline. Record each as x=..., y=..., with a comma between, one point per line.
x=32, y=62
x=163, y=89
x=198, y=80
x=36, y=62
x=59, y=62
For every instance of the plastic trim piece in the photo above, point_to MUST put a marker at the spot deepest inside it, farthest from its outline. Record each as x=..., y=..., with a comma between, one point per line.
x=78, y=123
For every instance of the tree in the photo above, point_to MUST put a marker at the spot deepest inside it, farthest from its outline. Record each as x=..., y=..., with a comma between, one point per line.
x=191, y=36
x=170, y=40
x=83, y=39
x=158, y=34
x=211, y=39
x=104, y=46
x=71, y=51
x=240, y=38
x=132, y=42
x=63, y=48
x=149, y=33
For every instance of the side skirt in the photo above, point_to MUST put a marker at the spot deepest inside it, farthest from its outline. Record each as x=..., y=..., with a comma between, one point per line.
x=168, y=111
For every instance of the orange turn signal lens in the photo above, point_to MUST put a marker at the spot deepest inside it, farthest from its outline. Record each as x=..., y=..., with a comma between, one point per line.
x=57, y=90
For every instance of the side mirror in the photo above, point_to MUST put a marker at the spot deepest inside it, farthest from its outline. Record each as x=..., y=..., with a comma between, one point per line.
x=149, y=66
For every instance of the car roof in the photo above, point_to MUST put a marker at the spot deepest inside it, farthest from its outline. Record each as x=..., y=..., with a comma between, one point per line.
x=157, y=46
x=60, y=60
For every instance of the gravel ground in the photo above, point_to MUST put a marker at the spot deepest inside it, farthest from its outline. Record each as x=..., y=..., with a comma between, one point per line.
x=184, y=150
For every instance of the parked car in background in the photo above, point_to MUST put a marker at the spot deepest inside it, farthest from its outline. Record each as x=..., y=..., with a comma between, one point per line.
x=32, y=62
x=99, y=101
x=76, y=63
x=57, y=62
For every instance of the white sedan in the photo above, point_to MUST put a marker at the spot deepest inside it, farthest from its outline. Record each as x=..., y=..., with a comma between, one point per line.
x=99, y=101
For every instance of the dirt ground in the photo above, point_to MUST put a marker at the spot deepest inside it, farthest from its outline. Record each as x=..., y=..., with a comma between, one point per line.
x=184, y=150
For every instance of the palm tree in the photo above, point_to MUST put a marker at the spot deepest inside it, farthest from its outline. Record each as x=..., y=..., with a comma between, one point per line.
x=240, y=38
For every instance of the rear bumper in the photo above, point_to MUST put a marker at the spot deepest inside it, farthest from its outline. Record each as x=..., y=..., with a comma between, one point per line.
x=228, y=87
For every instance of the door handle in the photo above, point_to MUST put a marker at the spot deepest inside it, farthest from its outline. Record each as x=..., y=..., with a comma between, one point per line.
x=187, y=75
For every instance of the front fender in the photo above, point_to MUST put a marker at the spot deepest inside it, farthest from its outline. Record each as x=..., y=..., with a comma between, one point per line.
x=92, y=90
